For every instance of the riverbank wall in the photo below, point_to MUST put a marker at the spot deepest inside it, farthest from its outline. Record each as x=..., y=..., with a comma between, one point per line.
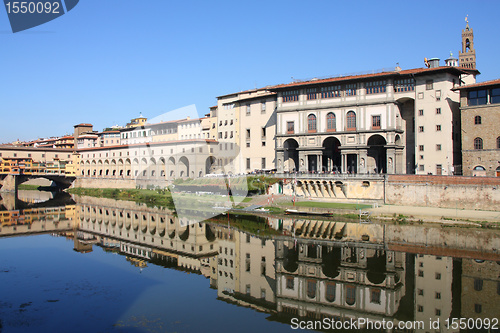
x=478, y=193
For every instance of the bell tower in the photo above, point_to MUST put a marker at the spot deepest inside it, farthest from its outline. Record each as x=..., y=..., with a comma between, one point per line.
x=467, y=58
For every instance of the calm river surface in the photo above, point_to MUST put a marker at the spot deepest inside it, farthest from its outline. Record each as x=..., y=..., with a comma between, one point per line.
x=99, y=265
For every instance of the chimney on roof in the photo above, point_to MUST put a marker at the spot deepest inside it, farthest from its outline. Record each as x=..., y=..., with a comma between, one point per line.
x=433, y=62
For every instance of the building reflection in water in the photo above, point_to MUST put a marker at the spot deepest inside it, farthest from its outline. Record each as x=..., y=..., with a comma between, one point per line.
x=313, y=269
x=340, y=281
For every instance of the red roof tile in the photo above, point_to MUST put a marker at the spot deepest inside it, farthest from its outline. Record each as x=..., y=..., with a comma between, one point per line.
x=479, y=84
x=415, y=71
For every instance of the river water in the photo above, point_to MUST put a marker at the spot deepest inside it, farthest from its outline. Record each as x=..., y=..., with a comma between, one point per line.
x=97, y=265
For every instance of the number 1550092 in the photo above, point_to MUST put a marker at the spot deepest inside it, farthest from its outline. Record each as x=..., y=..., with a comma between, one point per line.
x=32, y=7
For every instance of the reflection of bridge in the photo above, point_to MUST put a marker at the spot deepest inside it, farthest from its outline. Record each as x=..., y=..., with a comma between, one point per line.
x=10, y=201
x=10, y=182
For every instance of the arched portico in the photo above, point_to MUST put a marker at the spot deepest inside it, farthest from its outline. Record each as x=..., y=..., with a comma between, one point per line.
x=331, y=155
x=376, y=161
x=291, y=156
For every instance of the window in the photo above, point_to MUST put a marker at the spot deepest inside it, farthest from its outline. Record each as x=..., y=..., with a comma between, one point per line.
x=330, y=292
x=263, y=293
x=478, y=284
x=311, y=288
x=421, y=128
x=421, y=148
x=478, y=308
x=263, y=163
x=375, y=87
x=350, y=295
x=248, y=163
x=420, y=308
x=478, y=143
x=375, y=122
x=289, y=282
x=420, y=273
x=420, y=112
x=311, y=123
x=439, y=172
x=248, y=289
x=263, y=133
x=248, y=134
x=495, y=96
x=331, y=122
x=420, y=292
x=477, y=97
x=404, y=85
x=438, y=276
x=421, y=167
x=438, y=128
x=438, y=95
x=498, y=142
x=428, y=85
x=290, y=96
x=438, y=147
x=351, y=121
x=438, y=295
x=477, y=120
x=375, y=296
x=421, y=157
x=290, y=127
x=263, y=107
x=248, y=109
x=228, y=106
x=330, y=91
x=311, y=93
x=438, y=312
x=350, y=89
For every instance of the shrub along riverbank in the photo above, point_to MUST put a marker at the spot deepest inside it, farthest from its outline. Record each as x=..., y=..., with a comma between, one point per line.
x=161, y=198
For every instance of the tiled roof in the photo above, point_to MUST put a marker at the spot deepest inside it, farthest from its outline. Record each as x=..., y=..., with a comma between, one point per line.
x=479, y=84
x=415, y=71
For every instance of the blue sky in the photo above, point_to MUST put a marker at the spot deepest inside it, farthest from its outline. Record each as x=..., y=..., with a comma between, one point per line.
x=106, y=61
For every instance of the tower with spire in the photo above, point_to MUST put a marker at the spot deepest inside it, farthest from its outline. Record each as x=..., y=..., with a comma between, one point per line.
x=467, y=58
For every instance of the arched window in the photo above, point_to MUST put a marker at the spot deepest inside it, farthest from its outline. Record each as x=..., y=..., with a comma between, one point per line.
x=478, y=143
x=311, y=288
x=350, y=295
x=351, y=121
x=330, y=122
x=330, y=292
x=477, y=120
x=311, y=123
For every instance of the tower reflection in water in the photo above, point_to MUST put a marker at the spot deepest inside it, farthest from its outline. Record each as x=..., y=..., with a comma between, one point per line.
x=291, y=268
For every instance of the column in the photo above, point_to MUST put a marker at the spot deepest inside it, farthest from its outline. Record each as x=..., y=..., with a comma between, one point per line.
x=362, y=158
x=280, y=155
x=391, y=160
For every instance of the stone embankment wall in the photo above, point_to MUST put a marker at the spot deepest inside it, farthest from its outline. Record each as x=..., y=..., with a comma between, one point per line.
x=104, y=183
x=443, y=191
x=410, y=190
